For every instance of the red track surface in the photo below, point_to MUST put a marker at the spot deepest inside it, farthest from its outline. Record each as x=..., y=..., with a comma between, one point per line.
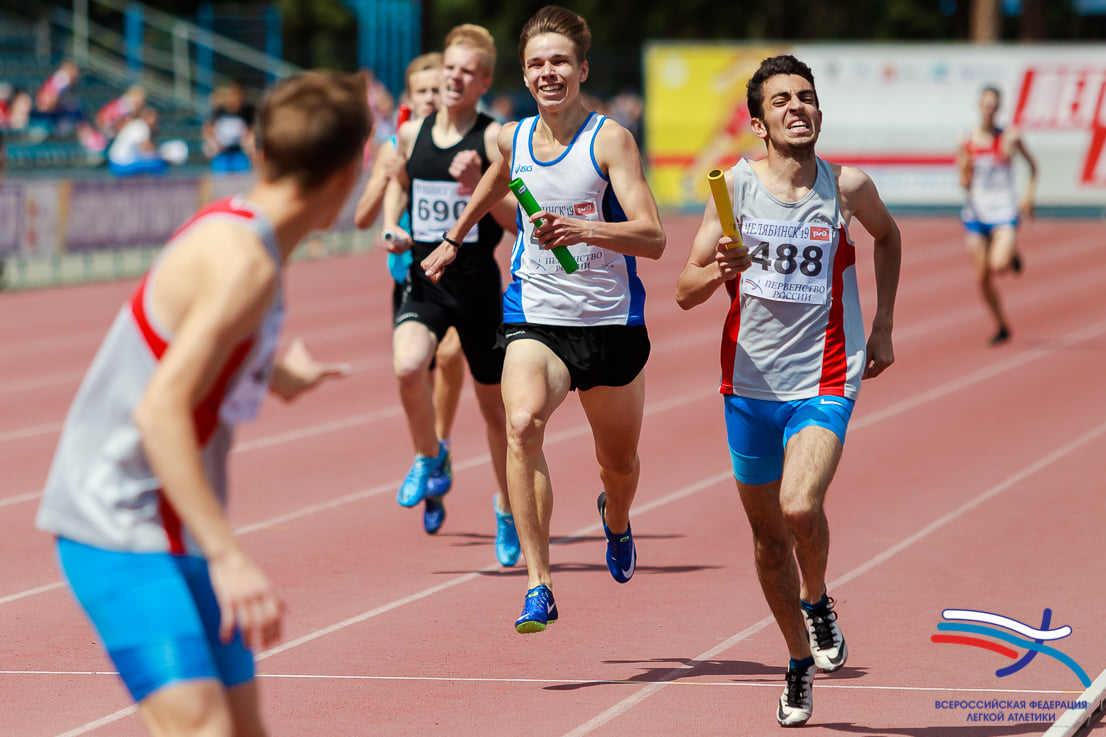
x=972, y=479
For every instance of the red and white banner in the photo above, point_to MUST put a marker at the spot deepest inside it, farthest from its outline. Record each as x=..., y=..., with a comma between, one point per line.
x=897, y=111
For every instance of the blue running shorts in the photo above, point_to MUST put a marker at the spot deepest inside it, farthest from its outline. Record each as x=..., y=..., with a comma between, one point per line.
x=156, y=615
x=985, y=229
x=757, y=431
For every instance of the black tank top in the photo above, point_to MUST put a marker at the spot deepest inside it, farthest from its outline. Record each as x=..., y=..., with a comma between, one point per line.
x=435, y=202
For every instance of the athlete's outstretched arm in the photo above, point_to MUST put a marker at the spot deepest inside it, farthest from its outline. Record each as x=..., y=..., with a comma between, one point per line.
x=641, y=234
x=505, y=211
x=1028, y=199
x=711, y=262
x=372, y=199
x=964, y=165
x=224, y=281
x=296, y=371
x=493, y=187
x=863, y=200
x=395, y=194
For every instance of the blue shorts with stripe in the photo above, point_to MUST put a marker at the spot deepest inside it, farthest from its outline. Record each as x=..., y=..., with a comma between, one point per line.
x=757, y=430
x=156, y=615
x=985, y=229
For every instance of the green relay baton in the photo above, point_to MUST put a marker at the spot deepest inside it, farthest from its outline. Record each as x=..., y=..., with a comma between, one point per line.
x=530, y=206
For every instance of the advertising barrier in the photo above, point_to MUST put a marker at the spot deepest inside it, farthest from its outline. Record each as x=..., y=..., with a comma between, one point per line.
x=44, y=218
x=898, y=112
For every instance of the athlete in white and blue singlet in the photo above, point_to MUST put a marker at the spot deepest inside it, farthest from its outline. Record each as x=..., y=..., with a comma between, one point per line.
x=584, y=330
x=793, y=350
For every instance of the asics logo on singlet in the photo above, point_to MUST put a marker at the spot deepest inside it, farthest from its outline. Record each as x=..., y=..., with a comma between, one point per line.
x=523, y=169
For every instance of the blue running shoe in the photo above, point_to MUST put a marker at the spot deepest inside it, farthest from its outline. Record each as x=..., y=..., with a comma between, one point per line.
x=413, y=489
x=506, y=537
x=441, y=480
x=433, y=515
x=538, y=611
x=621, y=553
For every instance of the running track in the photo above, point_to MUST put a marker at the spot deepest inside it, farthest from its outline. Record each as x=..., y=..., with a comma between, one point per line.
x=972, y=479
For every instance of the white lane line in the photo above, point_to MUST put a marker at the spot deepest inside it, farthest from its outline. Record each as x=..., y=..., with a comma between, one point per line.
x=633, y=700
x=822, y=684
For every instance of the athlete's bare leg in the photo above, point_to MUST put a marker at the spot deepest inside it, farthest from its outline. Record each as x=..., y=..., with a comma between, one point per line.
x=449, y=380
x=412, y=347
x=490, y=399
x=615, y=414
x=774, y=555
x=1001, y=253
x=810, y=460
x=535, y=383
x=197, y=708
x=790, y=532
x=979, y=248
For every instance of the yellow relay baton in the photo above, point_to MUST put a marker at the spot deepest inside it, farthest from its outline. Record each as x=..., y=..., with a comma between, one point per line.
x=717, y=180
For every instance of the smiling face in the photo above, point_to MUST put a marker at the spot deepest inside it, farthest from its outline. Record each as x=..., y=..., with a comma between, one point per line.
x=551, y=70
x=466, y=76
x=791, y=120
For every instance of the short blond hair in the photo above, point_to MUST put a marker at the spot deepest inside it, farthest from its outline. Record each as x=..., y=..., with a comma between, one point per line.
x=424, y=63
x=475, y=37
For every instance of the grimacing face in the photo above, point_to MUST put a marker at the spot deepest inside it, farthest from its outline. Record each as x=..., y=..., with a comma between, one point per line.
x=791, y=115
x=465, y=76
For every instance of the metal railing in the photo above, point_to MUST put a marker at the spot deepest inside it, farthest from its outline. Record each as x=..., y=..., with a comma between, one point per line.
x=172, y=58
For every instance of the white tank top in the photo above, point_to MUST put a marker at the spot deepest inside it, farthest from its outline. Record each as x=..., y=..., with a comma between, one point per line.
x=100, y=490
x=605, y=289
x=794, y=330
x=991, y=196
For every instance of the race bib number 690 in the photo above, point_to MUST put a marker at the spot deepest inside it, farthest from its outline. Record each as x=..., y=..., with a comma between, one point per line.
x=790, y=261
x=435, y=208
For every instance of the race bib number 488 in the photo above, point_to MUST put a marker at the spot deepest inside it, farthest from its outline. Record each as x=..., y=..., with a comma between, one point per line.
x=790, y=260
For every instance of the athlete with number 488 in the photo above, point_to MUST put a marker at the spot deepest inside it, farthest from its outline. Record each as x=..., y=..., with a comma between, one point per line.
x=793, y=350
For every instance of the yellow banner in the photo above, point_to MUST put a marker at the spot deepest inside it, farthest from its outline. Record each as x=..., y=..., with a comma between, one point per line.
x=695, y=115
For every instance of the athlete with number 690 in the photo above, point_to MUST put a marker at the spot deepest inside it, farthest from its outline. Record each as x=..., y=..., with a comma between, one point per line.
x=793, y=350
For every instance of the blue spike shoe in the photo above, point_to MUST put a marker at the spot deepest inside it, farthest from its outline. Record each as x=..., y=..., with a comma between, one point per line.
x=621, y=552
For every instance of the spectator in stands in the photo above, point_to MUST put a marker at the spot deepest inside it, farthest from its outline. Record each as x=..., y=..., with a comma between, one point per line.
x=382, y=106
x=111, y=118
x=134, y=150
x=6, y=94
x=55, y=103
x=15, y=111
x=228, y=133
x=628, y=109
x=503, y=108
